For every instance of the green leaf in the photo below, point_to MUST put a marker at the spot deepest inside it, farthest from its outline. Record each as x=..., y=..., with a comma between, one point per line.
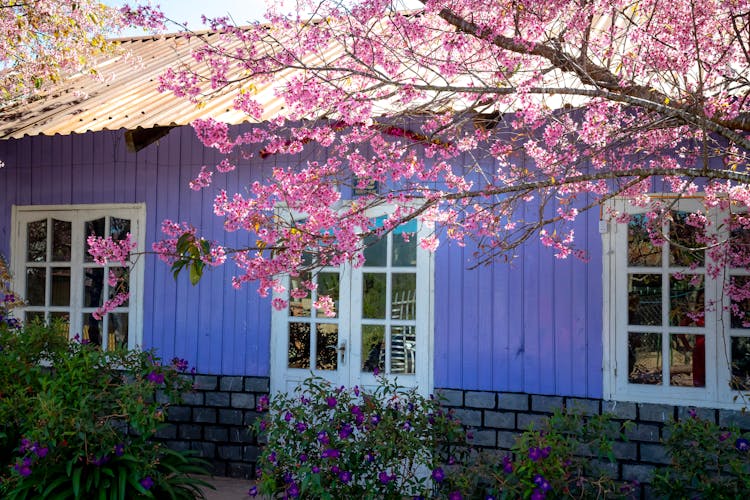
x=77, y=481
x=195, y=273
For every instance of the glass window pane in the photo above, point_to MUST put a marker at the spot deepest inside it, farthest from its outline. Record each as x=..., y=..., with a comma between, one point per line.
x=34, y=317
x=376, y=251
x=403, y=296
x=686, y=232
x=36, y=242
x=373, y=348
x=373, y=295
x=739, y=294
x=299, y=345
x=404, y=251
x=60, y=286
x=61, y=240
x=121, y=279
x=641, y=251
x=92, y=329
x=93, y=284
x=299, y=306
x=403, y=349
x=740, y=379
x=36, y=285
x=92, y=227
x=686, y=300
x=644, y=358
x=327, y=338
x=328, y=284
x=62, y=321
x=687, y=360
x=118, y=228
x=644, y=299
x=117, y=330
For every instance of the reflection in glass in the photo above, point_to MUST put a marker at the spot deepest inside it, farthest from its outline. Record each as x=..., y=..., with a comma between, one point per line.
x=61, y=240
x=118, y=228
x=122, y=277
x=403, y=349
x=62, y=320
x=34, y=317
x=60, y=295
x=686, y=300
x=644, y=358
x=327, y=338
x=36, y=244
x=373, y=348
x=740, y=380
x=644, y=299
x=92, y=227
x=373, y=295
x=300, y=306
x=299, y=345
x=404, y=252
x=92, y=329
x=93, y=284
x=117, y=330
x=739, y=241
x=403, y=296
x=739, y=293
x=687, y=360
x=376, y=251
x=641, y=251
x=686, y=233
x=328, y=284
x=36, y=285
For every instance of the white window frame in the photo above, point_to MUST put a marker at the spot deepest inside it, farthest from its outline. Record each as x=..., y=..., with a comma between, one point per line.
x=284, y=378
x=717, y=330
x=78, y=214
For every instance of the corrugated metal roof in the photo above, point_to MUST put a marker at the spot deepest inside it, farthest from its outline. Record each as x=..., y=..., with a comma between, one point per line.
x=127, y=96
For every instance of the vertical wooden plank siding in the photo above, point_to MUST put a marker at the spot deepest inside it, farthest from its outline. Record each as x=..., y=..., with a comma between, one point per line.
x=531, y=325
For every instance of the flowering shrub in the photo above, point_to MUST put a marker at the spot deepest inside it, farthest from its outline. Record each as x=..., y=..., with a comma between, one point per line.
x=553, y=462
x=328, y=442
x=707, y=461
x=76, y=421
x=8, y=299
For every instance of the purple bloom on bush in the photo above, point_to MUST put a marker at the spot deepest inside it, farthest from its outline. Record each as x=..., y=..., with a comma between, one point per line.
x=331, y=401
x=692, y=413
x=438, y=475
x=742, y=444
x=180, y=364
x=42, y=452
x=301, y=427
x=303, y=458
x=538, y=494
x=385, y=478
x=546, y=451
x=507, y=464
x=323, y=437
x=356, y=390
x=147, y=482
x=345, y=431
x=293, y=490
x=315, y=469
x=369, y=457
x=253, y=491
x=98, y=462
x=345, y=476
x=455, y=495
x=25, y=445
x=535, y=454
x=272, y=457
x=262, y=403
x=543, y=484
x=24, y=468
x=375, y=419
x=330, y=453
x=335, y=469
x=724, y=436
x=407, y=426
x=155, y=377
x=288, y=416
x=119, y=449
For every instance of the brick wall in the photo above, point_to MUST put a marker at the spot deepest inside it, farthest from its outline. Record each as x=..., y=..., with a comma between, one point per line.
x=214, y=419
x=497, y=418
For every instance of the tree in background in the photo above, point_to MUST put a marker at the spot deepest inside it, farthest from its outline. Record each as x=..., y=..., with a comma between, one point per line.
x=44, y=40
x=493, y=122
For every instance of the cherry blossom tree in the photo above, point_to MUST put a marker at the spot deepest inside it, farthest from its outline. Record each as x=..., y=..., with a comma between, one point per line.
x=44, y=40
x=491, y=122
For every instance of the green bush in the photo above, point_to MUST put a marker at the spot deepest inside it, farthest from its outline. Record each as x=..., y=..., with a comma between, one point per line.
x=77, y=422
x=328, y=442
x=556, y=461
x=707, y=461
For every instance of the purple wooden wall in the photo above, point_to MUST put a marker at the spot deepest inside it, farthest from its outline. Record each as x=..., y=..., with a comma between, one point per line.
x=530, y=326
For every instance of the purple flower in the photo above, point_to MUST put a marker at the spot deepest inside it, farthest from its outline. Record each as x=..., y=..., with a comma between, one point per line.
x=180, y=364
x=330, y=453
x=535, y=454
x=375, y=419
x=335, y=469
x=543, y=484
x=376, y=371
x=293, y=490
x=119, y=449
x=356, y=390
x=301, y=427
x=262, y=403
x=507, y=464
x=385, y=478
x=538, y=494
x=147, y=482
x=303, y=458
x=455, y=495
x=407, y=426
x=24, y=468
x=438, y=475
x=369, y=457
x=742, y=444
x=272, y=457
x=315, y=469
x=546, y=451
x=156, y=378
x=288, y=416
x=323, y=437
x=25, y=445
x=692, y=413
x=345, y=476
x=253, y=491
x=42, y=451
x=331, y=401
x=724, y=436
x=345, y=431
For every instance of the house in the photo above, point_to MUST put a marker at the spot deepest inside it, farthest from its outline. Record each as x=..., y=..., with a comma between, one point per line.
x=505, y=344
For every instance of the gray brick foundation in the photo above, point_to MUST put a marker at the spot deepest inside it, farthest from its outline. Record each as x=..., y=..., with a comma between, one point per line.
x=214, y=420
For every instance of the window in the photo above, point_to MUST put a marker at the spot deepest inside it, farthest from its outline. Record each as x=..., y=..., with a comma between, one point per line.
x=59, y=280
x=674, y=332
x=382, y=322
